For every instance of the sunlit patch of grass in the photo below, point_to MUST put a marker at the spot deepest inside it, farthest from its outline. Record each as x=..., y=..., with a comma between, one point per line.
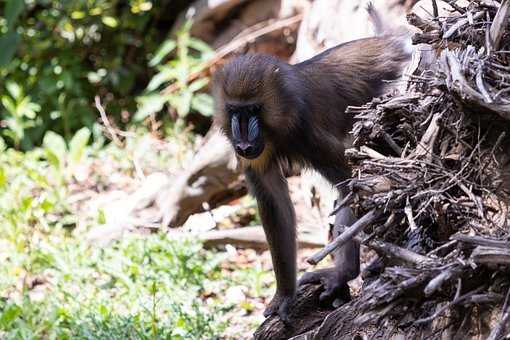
x=139, y=287
x=55, y=284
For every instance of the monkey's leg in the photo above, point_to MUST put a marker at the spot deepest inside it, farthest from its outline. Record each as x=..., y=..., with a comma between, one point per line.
x=279, y=222
x=346, y=267
x=346, y=258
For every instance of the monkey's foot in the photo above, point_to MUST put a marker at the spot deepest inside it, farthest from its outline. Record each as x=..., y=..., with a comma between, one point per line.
x=334, y=282
x=280, y=305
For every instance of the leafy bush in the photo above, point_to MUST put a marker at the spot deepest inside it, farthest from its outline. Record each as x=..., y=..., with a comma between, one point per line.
x=175, y=74
x=54, y=285
x=55, y=56
x=140, y=287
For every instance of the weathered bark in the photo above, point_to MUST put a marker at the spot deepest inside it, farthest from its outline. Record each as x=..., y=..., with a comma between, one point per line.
x=211, y=177
x=220, y=22
x=306, y=315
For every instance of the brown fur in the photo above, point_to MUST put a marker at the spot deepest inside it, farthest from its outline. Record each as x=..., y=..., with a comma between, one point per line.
x=314, y=93
x=303, y=122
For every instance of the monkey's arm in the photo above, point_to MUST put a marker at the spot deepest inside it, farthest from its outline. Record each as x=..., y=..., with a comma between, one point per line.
x=279, y=222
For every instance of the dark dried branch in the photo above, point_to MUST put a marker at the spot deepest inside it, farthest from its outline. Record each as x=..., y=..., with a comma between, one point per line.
x=491, y=256
x=398, y=254
x=448, y=274
x=481, y=241
x=345, y=237
x=499, y=24
x=498, y=331
x=444, y=308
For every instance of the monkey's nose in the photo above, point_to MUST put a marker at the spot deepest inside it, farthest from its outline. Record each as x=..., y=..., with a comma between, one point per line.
x=244, y=149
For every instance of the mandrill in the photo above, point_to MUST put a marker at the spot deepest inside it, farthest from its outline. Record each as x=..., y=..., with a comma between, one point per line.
x=278, y=115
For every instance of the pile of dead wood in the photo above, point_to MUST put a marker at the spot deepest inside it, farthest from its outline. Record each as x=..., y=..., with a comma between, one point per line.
x=432, y=191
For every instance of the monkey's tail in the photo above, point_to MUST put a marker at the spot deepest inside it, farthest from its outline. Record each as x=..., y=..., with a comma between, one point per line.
x=379, y=26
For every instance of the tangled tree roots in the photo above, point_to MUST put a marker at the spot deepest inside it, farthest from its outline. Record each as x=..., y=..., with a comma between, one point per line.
x=433, y=171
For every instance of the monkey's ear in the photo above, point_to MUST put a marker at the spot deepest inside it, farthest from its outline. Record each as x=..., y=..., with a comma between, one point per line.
x=217, y=78
x=220, y=118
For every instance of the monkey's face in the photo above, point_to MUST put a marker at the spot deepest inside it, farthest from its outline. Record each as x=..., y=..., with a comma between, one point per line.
x=245, y=129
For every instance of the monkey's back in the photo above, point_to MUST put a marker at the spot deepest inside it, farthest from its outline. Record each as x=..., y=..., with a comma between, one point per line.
x=353, y=73
x=359, y=65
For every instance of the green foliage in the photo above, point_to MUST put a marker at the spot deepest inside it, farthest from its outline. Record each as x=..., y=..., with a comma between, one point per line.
x=137, y=288
x=54, y=284
x=189, y=58
x=8, y=43
x=21, y=113
x=60, y=54
x=55, y=57
x=9, y=40
x=63, y=158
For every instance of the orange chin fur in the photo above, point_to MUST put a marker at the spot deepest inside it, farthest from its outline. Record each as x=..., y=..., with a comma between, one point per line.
x=260, y=163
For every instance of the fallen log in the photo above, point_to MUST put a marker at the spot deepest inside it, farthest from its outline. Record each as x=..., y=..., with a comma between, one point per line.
x=254, y=238
x=211, y=177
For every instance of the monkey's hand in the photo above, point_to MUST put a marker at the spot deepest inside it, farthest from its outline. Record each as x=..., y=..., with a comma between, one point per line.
x=280, y=305
x=334, y=282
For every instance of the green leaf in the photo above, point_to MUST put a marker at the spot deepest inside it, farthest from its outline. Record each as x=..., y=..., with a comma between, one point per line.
x=166, y=74
x=77, y=15
x=10, y=105
x=3, y=177
x=199, y=45
x=101, y=216
x=9, y=315
x=148, y=105
x=55, y=148
x=78, y=145
x=8, y=44
x=26, y=203
x=182, y=103
x=167, y=47
x=203, y=103
x=14, y=131
x=14, y=89
x=96, y=11
x=13, y=9
x=182, y=72
x=31, y=109
x=198, y=84
x=110, y=21
x=46, y=205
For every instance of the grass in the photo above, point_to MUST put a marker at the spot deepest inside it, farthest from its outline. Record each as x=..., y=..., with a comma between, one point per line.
x=140, y=287
x=54, y=284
